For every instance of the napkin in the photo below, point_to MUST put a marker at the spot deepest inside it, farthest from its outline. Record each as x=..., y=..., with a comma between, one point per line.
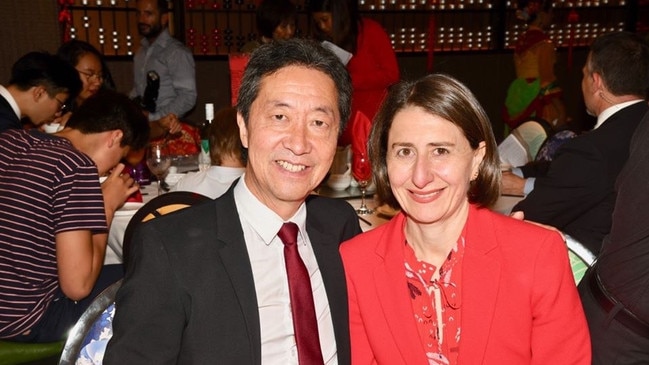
x=361, y=126
x=342, y=54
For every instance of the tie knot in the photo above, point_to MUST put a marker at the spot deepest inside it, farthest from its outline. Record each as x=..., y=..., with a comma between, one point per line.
x=288, y=233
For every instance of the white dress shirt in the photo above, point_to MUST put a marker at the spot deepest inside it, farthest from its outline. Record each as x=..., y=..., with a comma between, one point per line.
x=212, y=182
x=266, y=251
x=10, y=99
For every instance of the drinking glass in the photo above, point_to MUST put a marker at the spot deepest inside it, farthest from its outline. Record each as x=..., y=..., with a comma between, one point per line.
x=158, y=160
x=362, y=171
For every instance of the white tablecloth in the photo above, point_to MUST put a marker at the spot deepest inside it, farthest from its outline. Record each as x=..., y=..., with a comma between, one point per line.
x=118, y=227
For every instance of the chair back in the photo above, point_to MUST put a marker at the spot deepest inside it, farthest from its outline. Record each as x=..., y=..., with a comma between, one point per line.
x=581, y=258
x=88, y=338
x=524, y=142
x=156, y=207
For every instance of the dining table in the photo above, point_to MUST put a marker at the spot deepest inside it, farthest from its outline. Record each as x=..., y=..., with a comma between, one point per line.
x=380, y=213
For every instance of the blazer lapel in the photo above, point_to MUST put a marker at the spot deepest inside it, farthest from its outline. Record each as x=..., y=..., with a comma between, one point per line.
x=392, y=290
x=325, y=247
x=480, y=284
x=235, y=259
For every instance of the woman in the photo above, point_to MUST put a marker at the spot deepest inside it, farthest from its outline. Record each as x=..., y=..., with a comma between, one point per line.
x=447, y=281
x=275, y=21
x=92, y=70
x=534, y=92
x=373, y=66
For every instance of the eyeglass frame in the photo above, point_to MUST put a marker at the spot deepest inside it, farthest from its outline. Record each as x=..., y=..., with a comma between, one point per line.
x=90, y=75
x=63, y=106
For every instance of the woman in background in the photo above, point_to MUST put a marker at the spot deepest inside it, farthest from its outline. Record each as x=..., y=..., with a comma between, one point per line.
x=93, y=72
x=276, y=20
x=373, y=66
x=447, y=281
x=534, y=92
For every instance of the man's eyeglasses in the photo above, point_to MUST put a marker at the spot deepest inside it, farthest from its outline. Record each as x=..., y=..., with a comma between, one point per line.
x=62, y=106
x=90, y=76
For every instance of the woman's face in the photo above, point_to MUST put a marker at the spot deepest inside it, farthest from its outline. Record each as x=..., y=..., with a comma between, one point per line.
x=91, y=74
x=284, y=31
x=430, y=165
x=323, y=21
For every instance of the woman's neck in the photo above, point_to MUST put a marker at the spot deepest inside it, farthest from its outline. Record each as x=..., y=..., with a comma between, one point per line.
x=433, y=242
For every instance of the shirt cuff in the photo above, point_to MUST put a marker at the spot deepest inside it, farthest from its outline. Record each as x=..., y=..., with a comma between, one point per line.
x=529, y=185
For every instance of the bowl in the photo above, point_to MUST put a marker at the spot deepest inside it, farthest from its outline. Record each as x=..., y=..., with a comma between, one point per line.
x=52, y=127
x=339, y=181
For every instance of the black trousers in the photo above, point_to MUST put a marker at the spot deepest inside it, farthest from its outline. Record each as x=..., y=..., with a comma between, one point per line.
x=61, y=315
x=612, y=342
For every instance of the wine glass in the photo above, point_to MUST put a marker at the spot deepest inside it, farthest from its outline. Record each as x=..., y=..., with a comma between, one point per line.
x=158, y=161
x=362, y=172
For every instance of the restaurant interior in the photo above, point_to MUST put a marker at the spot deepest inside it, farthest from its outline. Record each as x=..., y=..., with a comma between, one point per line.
x=470, y=40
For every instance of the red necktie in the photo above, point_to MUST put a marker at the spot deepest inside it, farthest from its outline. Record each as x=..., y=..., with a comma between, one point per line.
x=305, y=324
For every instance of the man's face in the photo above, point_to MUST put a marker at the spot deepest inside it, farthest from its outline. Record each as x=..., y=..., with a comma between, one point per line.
x=588, y=88
x=291, y=136
x=45, y=107
x=149, y=20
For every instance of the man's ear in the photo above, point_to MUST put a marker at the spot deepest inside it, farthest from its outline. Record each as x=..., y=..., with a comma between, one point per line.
x=37, y=92
x=598, y=82
x=243, y=130
x=115, y=138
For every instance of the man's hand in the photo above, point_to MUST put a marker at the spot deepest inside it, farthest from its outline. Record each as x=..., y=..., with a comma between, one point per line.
x=520, y=215
x=116, y=189
x=169, y=124
x=512, y=184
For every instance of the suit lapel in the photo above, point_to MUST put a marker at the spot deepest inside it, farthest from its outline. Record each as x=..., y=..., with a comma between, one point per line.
x=325, y=247
x=480, y=284
x=235, y=259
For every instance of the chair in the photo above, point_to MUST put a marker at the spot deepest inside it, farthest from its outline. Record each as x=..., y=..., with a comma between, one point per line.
x=581, y=258
x=156, y=207
x=88, y=338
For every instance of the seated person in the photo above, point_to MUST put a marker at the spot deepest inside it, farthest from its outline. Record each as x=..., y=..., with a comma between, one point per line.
x=92, y=69
x=39, y=88
x=54, y=215
x=275, y=20
x=576, y=193
x=226, y=152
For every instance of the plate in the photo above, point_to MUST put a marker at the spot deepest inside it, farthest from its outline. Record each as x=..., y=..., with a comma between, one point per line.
x=386, y=210
x=129, y=208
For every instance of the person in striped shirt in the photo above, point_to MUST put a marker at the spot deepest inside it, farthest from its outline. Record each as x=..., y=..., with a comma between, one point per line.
x=54, y=215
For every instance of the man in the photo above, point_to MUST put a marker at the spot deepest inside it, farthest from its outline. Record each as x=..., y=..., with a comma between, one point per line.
x=614, y=291
x=209, y=284
x=226, y=154
x=172, y=63
x=40, y=85
x=54, y=215
x=576, y=192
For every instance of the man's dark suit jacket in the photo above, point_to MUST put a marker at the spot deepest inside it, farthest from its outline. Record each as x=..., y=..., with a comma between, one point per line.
x=189, y=296
x=576, y=195
x=8, y=119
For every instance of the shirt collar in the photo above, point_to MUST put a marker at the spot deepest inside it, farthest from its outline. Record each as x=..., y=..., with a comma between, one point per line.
x=603, y=116
x=262, y=219
x=10, y=99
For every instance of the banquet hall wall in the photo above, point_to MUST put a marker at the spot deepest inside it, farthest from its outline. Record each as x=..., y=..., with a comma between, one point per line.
x=32, y=25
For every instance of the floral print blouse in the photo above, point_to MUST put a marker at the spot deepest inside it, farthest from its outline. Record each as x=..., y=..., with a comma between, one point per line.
x=436, y=303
